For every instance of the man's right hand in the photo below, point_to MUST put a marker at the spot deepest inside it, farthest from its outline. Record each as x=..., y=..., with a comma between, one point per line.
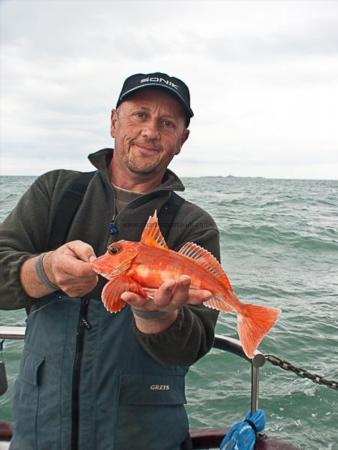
x=68, y=267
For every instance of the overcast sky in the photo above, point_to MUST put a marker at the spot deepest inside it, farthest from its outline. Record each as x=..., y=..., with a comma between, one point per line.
x=263, y=77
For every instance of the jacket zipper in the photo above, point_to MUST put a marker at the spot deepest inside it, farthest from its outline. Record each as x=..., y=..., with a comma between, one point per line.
x=82, y=327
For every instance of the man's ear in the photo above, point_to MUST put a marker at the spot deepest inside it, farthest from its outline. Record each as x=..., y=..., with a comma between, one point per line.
x=185, y=136
x=113, y=121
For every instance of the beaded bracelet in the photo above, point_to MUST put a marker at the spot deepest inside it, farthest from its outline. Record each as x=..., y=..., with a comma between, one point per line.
x=41, y=274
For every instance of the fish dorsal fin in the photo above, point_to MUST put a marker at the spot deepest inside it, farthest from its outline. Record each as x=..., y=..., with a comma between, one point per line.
x=152, y=235
x=205, y=259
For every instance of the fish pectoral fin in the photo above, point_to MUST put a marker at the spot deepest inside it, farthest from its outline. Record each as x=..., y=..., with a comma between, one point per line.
x=205, y=259
x=217, y=302
x=152, y=235
x=124, y=266
x=112, y=291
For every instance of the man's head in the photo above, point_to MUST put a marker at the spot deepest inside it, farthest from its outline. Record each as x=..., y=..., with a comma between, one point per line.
x=149, y=127
x=171, y=85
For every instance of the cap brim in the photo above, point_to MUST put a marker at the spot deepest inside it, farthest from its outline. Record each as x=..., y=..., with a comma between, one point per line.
x=187, y=109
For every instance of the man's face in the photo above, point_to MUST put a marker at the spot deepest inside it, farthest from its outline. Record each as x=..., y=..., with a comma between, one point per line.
x=149, y=130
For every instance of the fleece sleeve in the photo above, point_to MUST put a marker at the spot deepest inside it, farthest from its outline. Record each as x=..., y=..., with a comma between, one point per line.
x=24, y=233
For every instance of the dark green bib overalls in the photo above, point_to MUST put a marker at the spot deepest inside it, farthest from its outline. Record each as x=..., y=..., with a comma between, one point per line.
x=85, y=383
x=127, y=400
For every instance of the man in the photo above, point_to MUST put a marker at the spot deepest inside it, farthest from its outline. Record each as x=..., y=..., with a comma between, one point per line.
x=89, y=379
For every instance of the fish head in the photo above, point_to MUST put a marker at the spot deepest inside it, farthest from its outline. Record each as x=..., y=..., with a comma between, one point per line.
x=117, y=259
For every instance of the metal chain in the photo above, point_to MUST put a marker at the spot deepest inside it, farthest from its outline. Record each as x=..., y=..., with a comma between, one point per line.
x=301, y=372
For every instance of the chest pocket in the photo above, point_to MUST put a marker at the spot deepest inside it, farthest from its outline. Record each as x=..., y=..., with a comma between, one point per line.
x=151, y=408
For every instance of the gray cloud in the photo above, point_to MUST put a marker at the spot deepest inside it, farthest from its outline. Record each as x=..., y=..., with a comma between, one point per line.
x=263, y=78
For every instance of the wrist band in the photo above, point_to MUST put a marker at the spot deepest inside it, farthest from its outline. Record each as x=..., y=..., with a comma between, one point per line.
x=148, y=315
x=41, y=274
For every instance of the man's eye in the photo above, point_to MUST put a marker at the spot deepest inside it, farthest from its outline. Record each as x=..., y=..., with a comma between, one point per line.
x=168, y=123
x=140, y=114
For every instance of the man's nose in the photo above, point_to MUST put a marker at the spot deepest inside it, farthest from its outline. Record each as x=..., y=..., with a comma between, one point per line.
x=151, y=130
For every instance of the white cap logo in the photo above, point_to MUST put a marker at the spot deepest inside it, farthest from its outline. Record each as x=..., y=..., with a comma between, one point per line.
x=159, y=80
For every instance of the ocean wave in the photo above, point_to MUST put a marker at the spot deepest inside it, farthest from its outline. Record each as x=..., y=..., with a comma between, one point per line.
x=269, y=235
x=279, y=242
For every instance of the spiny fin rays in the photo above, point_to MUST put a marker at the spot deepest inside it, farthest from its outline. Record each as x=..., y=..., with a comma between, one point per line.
x=218, y=303
x=152, y=235
x=206, y=260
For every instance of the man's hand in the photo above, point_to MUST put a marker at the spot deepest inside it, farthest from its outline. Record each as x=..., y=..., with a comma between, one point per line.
x=68, y=267
x=169, y=298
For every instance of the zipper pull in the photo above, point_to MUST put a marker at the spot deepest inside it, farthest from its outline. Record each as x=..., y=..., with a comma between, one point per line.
x=113, y=228
x=85, y=323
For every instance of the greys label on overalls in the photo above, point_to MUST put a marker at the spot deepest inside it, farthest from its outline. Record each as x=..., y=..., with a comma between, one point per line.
x=85, y=383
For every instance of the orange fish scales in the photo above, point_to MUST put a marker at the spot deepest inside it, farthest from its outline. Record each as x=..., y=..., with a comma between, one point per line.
x=168, y=264
x=136, y=266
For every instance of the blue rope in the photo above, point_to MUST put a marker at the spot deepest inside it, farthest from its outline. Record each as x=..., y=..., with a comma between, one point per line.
x=242, y=435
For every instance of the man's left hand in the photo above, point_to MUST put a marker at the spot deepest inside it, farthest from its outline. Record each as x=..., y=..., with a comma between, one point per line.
x=169, y=298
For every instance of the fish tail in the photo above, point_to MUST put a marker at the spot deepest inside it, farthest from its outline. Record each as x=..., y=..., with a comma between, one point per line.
x=254, y=322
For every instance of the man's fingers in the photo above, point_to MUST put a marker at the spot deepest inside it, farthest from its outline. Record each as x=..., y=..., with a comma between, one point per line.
x=171, y=295
x=81, y=250
x=163, y=295
x=74, y=268
x=70, y=269
x=132, y=298
x=73, y=259
x=198, y=296
x=181, y=292
x=78, y=289
x=136, y=301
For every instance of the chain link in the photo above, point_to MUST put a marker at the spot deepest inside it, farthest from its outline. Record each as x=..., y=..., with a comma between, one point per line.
x=301, y=372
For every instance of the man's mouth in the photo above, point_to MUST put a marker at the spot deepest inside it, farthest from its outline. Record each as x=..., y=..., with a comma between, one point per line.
x=146, y=148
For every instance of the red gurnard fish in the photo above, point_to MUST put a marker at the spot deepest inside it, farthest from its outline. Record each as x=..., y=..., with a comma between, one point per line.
x=143, y=266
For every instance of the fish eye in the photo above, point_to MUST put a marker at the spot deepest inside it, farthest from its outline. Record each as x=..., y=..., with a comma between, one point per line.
x=113, y=250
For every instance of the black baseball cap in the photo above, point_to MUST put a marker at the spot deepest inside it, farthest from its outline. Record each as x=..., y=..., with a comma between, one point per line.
x=172, y=85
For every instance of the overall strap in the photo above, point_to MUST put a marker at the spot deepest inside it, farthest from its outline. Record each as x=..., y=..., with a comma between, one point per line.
x=67, y=208
x=72, y=198
x=167, y=213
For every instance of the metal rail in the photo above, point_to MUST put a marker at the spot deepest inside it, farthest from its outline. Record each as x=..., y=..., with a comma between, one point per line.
x=221, y=342
x=234, y=346
x=17, y=333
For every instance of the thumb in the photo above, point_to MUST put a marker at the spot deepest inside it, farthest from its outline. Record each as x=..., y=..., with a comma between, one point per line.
x=82, y=250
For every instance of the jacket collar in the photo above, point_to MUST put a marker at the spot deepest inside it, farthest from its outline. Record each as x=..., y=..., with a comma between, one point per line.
x=101, y=160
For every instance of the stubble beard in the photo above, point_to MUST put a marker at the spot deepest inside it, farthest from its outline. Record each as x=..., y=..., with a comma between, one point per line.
x=142, y=167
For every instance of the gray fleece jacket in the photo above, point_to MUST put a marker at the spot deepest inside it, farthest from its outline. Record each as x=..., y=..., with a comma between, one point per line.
x=26, y=231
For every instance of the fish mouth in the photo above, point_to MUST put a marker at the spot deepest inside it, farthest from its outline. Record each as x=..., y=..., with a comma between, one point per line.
x=106, y=275
x=97, y=269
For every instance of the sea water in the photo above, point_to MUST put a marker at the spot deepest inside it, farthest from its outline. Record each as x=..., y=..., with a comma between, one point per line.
x=279, y=247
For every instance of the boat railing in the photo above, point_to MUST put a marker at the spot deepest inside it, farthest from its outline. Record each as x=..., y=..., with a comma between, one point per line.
x=221, y=342
x=234, y=346
x=17, y=333
x=201, y=439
